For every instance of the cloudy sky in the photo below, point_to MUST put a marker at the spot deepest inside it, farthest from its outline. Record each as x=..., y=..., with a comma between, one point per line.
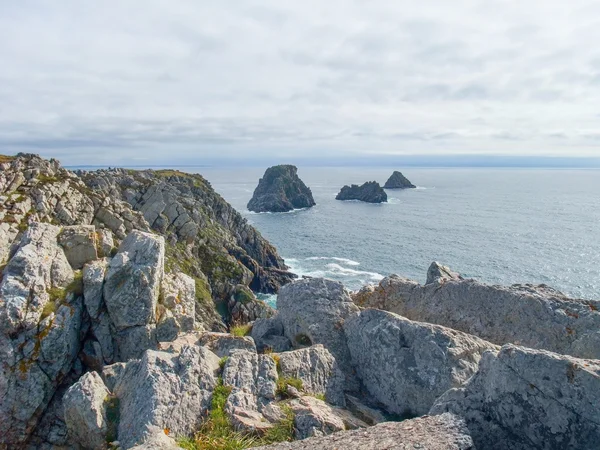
x=155, y=81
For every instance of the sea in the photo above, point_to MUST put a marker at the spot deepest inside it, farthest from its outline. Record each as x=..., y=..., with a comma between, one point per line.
x=500, y=226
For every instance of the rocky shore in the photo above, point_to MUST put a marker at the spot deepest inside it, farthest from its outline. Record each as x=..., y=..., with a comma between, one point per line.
x=280, y=190
x=110, y=338
x=370, y=192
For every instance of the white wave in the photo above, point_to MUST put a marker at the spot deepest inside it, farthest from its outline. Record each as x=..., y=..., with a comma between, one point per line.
x=336, y=269
x=346, y=261
x=248, y=212
x=423, y=188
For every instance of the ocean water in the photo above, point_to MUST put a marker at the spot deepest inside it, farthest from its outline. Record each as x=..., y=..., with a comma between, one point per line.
x=500, y=226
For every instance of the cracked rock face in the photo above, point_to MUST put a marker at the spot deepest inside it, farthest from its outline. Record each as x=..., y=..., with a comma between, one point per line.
x=523, y=398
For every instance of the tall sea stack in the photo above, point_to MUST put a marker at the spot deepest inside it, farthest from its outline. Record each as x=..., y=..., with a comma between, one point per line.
x=398, y=181
x=281, y=190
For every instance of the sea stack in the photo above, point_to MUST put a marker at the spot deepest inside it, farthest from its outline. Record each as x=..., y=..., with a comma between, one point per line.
x=398, y=181
x=281, y=190
x=370, y=192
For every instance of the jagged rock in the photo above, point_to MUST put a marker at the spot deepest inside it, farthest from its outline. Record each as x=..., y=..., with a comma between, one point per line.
x=166, y=390
x=132, y=281
x=79, y=243
x=111, y=374
x=179, y=295
x=132, y=342
x=523, y=398
x=406, y=365
x=244, y=307
x=445, y=432
x=364, y=412
x=532, y=316
x=268, y=334
x=39, y=335
x=85, y=411
x=253, y=379
x=312, y=311
x=168, y=328
x=93, y=283
x=280, y=190
x=106, y=242
x=438, y=274
x=318, y=370
x=222, y=344
x=370, y=192
x=314, y=417
x=398, y=181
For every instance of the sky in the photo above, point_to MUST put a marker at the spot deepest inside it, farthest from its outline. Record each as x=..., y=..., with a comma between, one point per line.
x=192, y=81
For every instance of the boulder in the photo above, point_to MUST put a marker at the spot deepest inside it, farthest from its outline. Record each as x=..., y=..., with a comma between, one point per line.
x=406, y=365
x=524, y=398
x=85, y=406
x=532, y=316
x=222, y=344
x=312, y=311
x=133, y=278
x=179, y=296
x=244, y=307
x=166, y=390
x=398, y=181
x=318, y=370
x=280, y=190
x=79, y=243
x=314, y=417
x=370, y=192
x=445, y=432
x=268, y=334
x=439, y=274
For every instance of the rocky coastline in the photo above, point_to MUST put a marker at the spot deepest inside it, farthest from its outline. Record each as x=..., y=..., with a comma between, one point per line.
x=117, y=333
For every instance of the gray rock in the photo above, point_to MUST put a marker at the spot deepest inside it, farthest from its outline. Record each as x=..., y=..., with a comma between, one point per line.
x=179, y=296
x=398, y=181
x=106, y=242
x=167, y=329
x=244, y=307
x=131, y=343
x=268, y=334
x=79, y=243
x=445, y=432
x=156, y=439
x=93, y=282
x=85, y=411
x=133, y=278
x=312, y=311
x=370, y=192
x=280, y=190
x=532, y=316
x=111, y=374
x=314, y=417
x=318, y=370
x=523, y=398
x=364, y=412
x=222, y=344
x=165, y=390
x=439, y=274
x=406, y=365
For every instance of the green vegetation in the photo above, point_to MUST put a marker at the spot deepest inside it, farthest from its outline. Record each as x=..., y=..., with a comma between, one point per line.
x=320, y=397
x=59, y=295
x=241, y=330
x=222, y=362
x=243, y=296
x=112, y=417
x=284, y=382
x=5, y=158
x=217, y=433
x=303, y=339
x=42, y=178
x=48, y=309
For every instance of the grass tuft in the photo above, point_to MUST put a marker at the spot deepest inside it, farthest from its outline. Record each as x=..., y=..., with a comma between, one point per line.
x=284, y=382
x=241, y=330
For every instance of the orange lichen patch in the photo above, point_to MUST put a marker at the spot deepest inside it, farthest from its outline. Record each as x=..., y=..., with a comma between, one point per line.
x=167, y=431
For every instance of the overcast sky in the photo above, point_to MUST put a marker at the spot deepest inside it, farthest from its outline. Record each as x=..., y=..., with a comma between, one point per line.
x=153, y=81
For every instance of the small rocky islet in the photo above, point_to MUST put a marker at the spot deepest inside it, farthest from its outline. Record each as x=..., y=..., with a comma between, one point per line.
x=398, y=181
x=370, y=192
x=110, y=335
x=280, y=190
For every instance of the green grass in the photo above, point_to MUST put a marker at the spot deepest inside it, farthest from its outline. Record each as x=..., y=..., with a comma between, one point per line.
x=222, y=362
x=241, y=330
x=48, y=309
x=284, y=382
x=112, y=417
x=217, y=433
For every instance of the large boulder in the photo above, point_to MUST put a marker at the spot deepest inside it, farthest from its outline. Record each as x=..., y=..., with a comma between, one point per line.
x=406, y=365
x=167, y=390
x=40, y=323
x=523, y=398
x=313, y=311
x=79, y=243
x=133, y=279
x=280, y=190
x=179, y=296
x=222, y=344
x=532, y=316
x=370, y=192
x=314, y=417
x=398, y=181
x=85, y=406
x=268, y=334
x=445, y=432
x=317, y=369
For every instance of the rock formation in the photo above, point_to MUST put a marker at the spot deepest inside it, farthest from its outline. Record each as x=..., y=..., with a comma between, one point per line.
x=532, y=316
x=281, y=190
x=370, y=192
x=398, y=181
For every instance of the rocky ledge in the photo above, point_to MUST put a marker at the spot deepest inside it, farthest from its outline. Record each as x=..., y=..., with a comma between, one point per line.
x=398, y=181
x=370, y=192
x=281, y=190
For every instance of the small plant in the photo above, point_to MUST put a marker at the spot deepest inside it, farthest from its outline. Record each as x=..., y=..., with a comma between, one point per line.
x=284, y=382
x=277, y=360
x=48, y=309
x=241, y=330
x=112, y=417
x=320, y=397
x=222, y=362
x=283, y=431
x=76, y=286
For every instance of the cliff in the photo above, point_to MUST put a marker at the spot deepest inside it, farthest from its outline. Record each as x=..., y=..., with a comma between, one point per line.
x=281, y=190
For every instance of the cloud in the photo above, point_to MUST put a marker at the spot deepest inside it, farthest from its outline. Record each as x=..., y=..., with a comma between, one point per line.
x=119, y=81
